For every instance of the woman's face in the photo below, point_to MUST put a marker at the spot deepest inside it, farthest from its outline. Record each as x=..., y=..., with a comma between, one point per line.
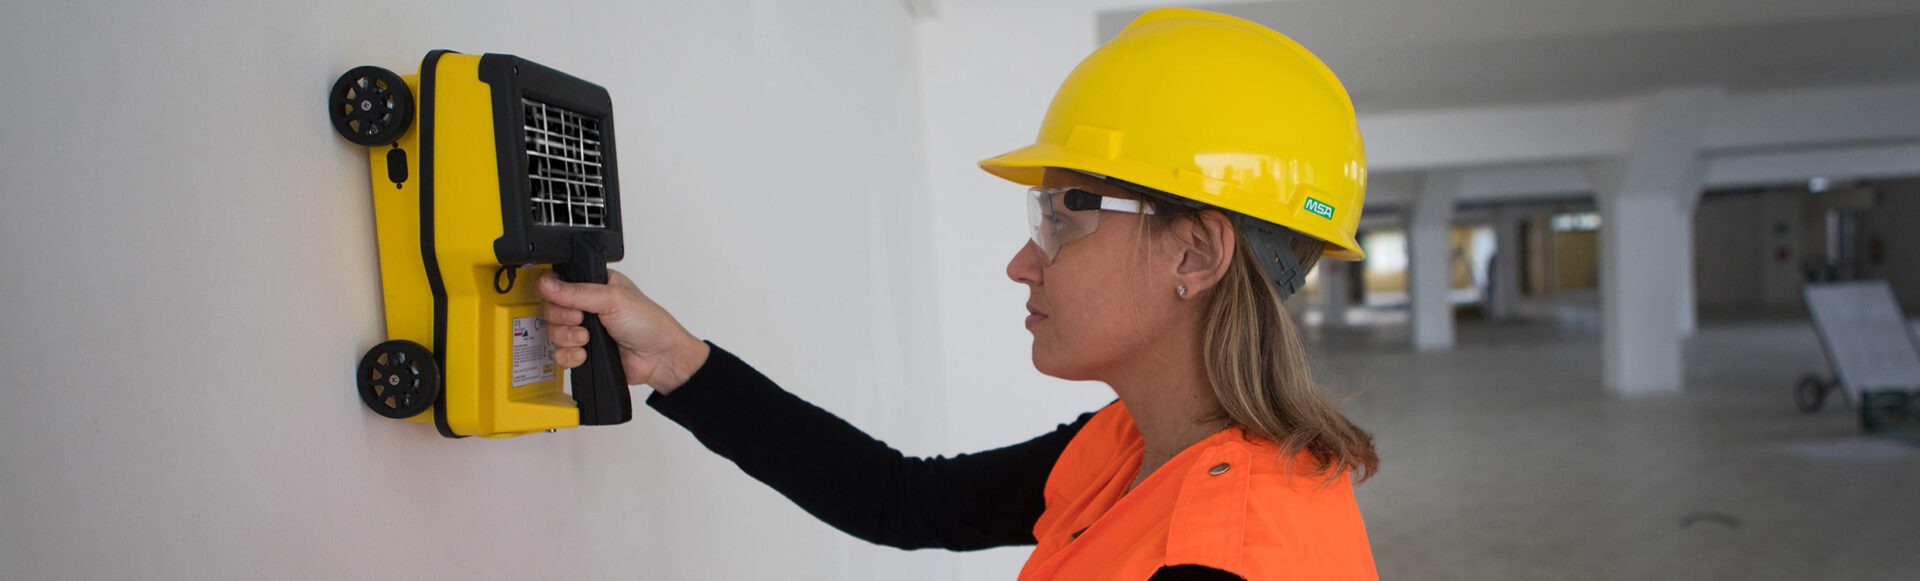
x=1104, y=298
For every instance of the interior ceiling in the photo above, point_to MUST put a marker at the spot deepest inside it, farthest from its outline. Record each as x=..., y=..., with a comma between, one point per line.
x=1429, y=54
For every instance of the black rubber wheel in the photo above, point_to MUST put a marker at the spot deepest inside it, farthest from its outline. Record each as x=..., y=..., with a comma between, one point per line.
x=370, y=106
x=1811, y=393
x=399, y=379
x=1870, y=420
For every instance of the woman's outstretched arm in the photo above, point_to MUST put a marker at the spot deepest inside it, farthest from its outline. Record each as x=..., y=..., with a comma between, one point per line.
x=854, y=482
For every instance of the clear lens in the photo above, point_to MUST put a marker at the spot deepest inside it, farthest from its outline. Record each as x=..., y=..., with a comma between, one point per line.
x=1052, y=224
x=1036, y=219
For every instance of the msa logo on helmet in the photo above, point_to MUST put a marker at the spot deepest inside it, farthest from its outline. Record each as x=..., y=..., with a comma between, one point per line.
x=1319, y=207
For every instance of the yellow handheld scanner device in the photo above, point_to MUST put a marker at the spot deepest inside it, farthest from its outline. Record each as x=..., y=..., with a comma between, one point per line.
x=485, y=166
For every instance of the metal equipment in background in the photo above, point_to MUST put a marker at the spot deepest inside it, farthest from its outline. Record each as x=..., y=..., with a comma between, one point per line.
x=1875, y=359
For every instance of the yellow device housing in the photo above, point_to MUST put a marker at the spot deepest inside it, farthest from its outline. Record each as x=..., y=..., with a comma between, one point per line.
x=462, y=213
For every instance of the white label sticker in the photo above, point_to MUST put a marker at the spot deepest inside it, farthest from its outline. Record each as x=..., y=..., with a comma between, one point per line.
x=532, y=354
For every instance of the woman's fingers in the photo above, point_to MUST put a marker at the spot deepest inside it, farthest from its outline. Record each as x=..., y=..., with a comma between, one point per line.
x=567, y=335
x=569, y=357
x=557, y=315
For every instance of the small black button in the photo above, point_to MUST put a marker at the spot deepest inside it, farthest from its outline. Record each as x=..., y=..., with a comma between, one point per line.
x=397, y=166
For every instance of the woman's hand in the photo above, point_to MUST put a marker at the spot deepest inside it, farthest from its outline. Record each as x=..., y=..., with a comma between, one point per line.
x=654, y=349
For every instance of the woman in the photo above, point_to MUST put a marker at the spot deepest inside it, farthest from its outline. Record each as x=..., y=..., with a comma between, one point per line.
x=1187, y=176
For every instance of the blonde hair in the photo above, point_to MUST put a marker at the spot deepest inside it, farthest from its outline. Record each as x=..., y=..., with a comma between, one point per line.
x=1259, y=369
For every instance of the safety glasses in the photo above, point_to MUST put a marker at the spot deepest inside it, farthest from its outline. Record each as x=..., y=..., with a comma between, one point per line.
x=1059, y=215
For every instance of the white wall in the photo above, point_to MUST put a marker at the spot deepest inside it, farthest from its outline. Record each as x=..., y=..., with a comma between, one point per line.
x=191, y=276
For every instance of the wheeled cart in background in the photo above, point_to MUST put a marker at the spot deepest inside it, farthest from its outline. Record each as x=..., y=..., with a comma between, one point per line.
x=1875, y=359
x=485, y=169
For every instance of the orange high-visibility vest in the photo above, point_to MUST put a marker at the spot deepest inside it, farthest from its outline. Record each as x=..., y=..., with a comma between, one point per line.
x=1228, y=502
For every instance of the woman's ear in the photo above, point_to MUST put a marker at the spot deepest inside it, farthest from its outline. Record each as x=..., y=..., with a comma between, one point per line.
x=1206, y=244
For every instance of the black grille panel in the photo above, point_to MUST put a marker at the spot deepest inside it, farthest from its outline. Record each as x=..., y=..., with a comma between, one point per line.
x=565, y=170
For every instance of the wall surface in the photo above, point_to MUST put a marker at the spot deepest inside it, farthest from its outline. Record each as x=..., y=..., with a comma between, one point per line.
x=1576, y=261
x=192, y=277
x=1892, y=222
x=1729, y=239
x=1783, y=239
x=1751, y=248
x=1738, y=238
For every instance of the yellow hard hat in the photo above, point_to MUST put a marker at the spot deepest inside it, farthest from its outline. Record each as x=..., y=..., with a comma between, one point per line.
x=1214, y=109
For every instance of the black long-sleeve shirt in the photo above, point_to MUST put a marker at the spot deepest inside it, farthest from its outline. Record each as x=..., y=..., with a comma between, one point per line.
x=858, y=484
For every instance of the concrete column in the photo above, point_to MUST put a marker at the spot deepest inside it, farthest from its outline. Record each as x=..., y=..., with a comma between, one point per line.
x=1506, y=263
x=1428, y=277
x=1646, y=200
x=1333, y=292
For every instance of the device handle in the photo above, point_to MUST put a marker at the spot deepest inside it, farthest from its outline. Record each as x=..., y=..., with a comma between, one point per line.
x=600, y=383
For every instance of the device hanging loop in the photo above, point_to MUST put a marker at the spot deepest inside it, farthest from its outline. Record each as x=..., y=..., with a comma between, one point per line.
x=512, y=273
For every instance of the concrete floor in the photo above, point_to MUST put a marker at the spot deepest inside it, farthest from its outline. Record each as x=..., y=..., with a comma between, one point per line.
x=1505, y=459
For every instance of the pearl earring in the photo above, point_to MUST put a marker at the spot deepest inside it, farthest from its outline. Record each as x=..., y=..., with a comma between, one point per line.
x=1182, y=290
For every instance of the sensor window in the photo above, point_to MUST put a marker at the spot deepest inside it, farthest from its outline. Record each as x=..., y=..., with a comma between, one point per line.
x=564, y=167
